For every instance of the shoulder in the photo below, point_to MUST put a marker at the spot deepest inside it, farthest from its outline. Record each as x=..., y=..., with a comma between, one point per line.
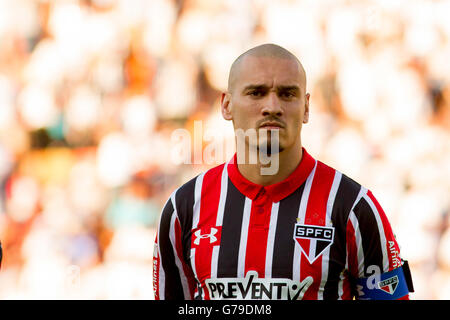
x=184, y=197
x=195, y=184
x=346, y=187
x=345, y=192
x=353, y=196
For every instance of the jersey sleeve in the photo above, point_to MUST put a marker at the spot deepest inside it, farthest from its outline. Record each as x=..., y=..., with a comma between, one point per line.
x=172, y=277
x=373, y=254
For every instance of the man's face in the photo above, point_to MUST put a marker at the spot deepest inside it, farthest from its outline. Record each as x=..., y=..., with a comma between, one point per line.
x=268, y=93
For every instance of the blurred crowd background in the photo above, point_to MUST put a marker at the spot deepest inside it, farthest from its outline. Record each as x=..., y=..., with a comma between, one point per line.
x=91, y=92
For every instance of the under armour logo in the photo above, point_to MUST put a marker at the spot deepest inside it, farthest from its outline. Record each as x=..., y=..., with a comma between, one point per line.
x=212, y=236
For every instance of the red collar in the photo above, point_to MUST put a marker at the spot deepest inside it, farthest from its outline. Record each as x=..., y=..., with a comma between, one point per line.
x=278, y=190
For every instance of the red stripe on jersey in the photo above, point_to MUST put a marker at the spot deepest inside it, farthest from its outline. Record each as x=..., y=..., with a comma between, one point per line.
x=392, y=246
x=207, y=235
x=258, y=230
x=316, y=215
x=352, y=253
x=186, y=270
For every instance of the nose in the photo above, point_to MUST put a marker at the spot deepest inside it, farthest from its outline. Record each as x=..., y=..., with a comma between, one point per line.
x=272, y=105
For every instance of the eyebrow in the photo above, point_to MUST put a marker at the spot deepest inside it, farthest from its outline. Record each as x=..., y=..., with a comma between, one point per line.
x=279, y=88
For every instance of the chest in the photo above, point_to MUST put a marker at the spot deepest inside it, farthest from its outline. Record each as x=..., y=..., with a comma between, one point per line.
x=267, y=240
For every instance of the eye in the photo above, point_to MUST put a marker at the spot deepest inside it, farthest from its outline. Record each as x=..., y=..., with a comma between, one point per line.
x=256, y=93
x=287, y=94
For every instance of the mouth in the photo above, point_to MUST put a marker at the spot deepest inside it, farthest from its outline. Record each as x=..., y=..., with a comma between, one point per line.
x=271, y=125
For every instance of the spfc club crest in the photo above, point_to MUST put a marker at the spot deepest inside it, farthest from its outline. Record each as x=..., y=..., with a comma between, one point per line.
x=389, y=285
x=313, y=240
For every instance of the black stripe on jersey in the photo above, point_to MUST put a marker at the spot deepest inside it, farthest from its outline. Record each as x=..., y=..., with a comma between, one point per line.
x=345, y=198
x=284, y=244
x=184, y=199
x=173, y=289
x=230, y=238
x=370, y=236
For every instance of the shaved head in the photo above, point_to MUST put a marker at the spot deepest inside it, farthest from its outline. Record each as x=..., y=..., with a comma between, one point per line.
x=268, y=50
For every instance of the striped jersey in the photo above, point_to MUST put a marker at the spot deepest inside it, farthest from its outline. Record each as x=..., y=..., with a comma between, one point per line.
x=310, y=236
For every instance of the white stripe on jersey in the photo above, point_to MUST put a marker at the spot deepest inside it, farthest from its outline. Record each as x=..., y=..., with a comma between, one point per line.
x=243, y=241
x=196, y=217
x=161, y=273
x=358, y=240
x=179, y=264
x=214, y=261
x=301, y=219
x=362, y=193
x=326, y=255
x=197, y=200
x=219, y=220
x=381, y=232
x=223, y=195
x=305, y=196
x=332, y=195
x=271, y=239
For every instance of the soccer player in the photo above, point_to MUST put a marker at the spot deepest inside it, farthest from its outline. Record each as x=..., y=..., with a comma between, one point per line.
x=283, y=226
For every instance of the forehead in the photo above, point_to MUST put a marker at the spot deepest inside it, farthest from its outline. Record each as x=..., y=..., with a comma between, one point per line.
x=269, y=71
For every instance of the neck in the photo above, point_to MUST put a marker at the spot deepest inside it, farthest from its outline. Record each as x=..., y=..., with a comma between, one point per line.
x=275, y=171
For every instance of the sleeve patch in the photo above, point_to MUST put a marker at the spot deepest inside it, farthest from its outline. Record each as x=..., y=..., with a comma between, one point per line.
x=390, y=285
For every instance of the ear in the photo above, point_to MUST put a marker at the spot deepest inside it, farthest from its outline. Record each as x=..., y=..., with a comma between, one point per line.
x=225, y=102
x=306, y=114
